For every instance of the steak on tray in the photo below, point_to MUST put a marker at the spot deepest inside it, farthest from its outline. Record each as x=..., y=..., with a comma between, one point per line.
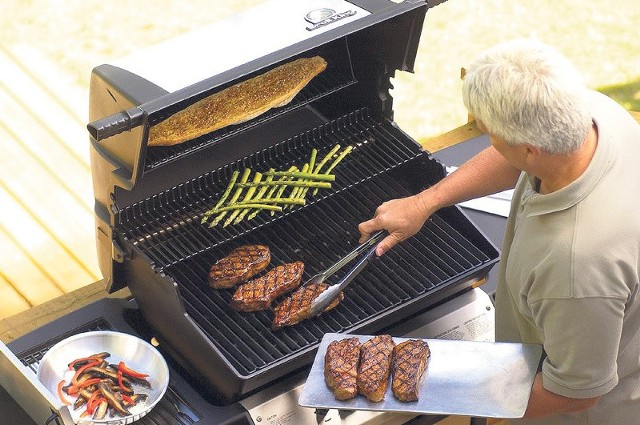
x=341, y=367
x=375, y=367
x=410, y=359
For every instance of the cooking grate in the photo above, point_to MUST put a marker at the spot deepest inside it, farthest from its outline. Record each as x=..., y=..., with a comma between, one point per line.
x=166, y=227
x=436, y=257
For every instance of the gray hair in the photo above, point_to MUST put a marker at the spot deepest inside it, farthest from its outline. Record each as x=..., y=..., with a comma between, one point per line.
x=525, y=92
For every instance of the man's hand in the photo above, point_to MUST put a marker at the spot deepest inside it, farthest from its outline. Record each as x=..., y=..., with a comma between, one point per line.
x=402, y=218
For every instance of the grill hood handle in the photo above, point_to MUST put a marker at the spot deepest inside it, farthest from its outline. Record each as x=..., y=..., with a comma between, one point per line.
x=116, y=123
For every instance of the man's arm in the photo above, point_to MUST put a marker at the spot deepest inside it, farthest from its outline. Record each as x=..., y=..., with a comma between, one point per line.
x=486, y=173
x=545, y=403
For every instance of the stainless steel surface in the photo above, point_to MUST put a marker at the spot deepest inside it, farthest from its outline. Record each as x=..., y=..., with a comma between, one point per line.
x=484, y=379
x=136, y=353
x=179, y=62
x=280, y=407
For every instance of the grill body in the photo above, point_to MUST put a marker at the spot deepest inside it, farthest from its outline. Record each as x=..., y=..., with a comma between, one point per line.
x=149, y=202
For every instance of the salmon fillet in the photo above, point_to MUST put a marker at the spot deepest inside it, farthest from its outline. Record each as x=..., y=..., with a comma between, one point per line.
x=240, y=265
x=375, y=367
x=410, y=359
x=259, y=293
x=238, y=103
x=297, y=307
x=341, y=367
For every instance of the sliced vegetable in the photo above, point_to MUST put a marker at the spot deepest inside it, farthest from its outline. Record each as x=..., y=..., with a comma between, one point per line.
x=61, y=396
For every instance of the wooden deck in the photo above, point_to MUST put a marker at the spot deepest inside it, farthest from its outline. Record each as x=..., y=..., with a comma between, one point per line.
x=46, y=220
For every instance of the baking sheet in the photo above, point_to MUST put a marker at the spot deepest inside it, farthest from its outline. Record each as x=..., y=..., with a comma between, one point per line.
x=482, y=379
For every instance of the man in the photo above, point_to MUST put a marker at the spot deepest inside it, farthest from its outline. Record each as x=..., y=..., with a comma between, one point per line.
x=569, y=271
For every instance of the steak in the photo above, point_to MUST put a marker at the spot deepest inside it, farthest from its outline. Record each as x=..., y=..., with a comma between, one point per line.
x=240, y=265
x=259, y=293
x=297, y=307
x=341, y=367
x=410, y=359
x=375, y=367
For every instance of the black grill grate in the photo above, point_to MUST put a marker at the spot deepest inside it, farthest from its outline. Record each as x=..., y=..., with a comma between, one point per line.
x=437, y=256
x=167, y=226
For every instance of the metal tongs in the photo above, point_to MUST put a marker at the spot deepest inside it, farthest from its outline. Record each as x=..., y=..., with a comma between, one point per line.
x=322, y=301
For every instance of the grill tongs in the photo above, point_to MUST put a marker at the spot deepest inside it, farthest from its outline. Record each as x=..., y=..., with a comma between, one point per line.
x=322, y=301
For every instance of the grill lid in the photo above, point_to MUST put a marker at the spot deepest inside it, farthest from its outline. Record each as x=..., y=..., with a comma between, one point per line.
x=363, y=51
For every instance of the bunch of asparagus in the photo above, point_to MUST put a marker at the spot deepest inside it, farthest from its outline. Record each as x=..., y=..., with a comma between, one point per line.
x=278, y=190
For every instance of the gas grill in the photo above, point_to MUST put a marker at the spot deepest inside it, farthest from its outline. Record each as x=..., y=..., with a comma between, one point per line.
x=150, y=200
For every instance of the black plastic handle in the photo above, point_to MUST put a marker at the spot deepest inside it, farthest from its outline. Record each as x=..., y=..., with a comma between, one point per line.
x=115, y=124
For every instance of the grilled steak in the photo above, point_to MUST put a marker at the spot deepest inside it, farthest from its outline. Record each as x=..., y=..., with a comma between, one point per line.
x=259, y=293
x=297, y=307
x=238, y=103
x=375, y=367
x=241, y=263
x=410, y=359
x=341, y=367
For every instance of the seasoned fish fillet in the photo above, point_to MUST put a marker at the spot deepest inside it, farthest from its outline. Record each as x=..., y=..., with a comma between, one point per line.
x=241, y=264
x=259, y=293
x=297, y=307
x=341, y=367
x=410, y=359
x=238, y=103
x=375, y=367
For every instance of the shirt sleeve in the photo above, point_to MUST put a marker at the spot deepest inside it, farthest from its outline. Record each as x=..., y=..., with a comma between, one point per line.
x=581, y=340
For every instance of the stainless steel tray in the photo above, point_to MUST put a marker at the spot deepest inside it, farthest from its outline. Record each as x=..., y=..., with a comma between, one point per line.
x=482, y=379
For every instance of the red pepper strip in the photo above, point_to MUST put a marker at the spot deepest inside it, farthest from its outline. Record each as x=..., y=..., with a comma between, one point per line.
x=121, y=384
x=87, y=383
x=81, y=370
x=127, y=371
x=63, y=399
x=93, y=401
x=128, y=400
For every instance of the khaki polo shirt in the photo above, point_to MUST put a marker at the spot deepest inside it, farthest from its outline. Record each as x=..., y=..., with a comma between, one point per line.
x=569, y=276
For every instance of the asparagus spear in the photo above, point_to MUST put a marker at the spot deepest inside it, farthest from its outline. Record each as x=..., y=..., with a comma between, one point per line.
x=234, y=198
x=314, y=176
x=302, y=175
x=335, y=162
x=256, y=179
x=248, y=205
x=225, y=195
x=288, y=183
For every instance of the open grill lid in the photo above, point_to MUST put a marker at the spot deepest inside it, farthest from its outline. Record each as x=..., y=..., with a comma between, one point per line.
x=369, y=38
